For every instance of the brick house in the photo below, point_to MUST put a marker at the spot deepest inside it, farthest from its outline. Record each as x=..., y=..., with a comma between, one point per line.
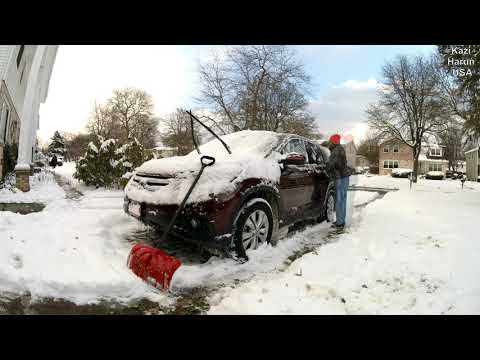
x=394, y=154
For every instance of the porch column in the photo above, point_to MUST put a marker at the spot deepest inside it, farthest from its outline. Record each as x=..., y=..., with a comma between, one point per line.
x=28, y=120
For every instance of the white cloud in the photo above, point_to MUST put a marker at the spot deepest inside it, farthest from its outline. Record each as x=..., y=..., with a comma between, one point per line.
x=354, y=84
x=342, y=109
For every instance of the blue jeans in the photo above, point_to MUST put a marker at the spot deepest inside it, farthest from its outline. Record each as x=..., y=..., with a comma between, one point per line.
x=341, y=200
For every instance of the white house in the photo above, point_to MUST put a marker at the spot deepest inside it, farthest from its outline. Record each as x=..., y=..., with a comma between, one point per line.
x=472, y=159
x=351, y=153
x=25, y=72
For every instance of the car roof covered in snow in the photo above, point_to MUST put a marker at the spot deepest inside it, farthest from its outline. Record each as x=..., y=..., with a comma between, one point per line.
x=246, y=141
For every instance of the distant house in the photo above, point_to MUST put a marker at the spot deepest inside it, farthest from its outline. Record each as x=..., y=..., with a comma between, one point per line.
x=351, y=153
x=472, y=159
x=165, y=151
x=395, y=154
x=362, y=161
x=25, y=72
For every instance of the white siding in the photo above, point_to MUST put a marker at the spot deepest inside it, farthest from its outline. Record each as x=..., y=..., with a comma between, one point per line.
x=12, y=76
x=4, y=55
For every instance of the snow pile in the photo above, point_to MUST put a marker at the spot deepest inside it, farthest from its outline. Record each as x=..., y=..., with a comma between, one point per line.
x=73, y=249
x=407, y=255
x=43, y=189
x=251, y=156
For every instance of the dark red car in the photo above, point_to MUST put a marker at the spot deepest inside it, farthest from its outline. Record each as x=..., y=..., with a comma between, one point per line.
x=248, y=197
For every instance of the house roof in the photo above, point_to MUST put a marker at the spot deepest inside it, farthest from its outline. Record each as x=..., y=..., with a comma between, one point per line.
x=422, y=157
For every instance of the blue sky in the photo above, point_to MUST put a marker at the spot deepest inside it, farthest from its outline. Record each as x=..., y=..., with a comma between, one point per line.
x=343, y=80
x=331, y=65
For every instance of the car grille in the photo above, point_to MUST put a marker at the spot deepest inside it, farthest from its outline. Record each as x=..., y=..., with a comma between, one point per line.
x=152, y=180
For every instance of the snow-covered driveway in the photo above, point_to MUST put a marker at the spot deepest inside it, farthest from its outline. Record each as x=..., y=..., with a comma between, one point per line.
x=73, y=249
x=413, y=252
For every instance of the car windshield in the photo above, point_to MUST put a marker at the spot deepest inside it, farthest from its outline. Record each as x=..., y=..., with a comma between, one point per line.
x=242, y=142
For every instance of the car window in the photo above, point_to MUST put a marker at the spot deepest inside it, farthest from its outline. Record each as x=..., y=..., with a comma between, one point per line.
x=321, y=155
x=295, y=146
x=312, y=153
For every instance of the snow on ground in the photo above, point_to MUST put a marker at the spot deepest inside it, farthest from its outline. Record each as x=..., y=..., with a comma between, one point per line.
x=83, y=248
x=43, y=189
x=404, y=254
x=73, y=249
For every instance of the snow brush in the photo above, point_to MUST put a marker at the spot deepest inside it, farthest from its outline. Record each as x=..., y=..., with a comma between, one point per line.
x=152, y=265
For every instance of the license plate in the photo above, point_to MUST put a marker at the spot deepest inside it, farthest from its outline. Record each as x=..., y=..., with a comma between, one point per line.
x=134, y=209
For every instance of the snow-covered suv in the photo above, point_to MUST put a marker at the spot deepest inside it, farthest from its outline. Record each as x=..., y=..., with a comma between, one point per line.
x=248, y=197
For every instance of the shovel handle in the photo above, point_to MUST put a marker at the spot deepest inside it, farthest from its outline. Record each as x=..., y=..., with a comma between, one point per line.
x=207, y=160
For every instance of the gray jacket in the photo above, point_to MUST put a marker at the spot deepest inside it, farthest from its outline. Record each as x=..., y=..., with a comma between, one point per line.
x=337, y=163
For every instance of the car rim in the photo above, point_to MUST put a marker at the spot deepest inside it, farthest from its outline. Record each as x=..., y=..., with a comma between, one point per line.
x=330, y=208
x=255, y=229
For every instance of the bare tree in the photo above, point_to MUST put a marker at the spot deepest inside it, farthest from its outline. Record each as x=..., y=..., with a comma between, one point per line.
x=102, y=123
x=369, y=148
x=256, y=87
x=410, y=106
x=451, y=137
x=77, y=144
x=126, y=115
x=131, y=108
x=178, y=132
x=464, y=91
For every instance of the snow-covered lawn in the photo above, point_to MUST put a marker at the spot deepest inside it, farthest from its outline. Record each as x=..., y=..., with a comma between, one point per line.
x=412, y=252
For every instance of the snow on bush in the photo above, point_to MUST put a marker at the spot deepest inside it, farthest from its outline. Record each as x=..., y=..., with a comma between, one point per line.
x=252, y=157
x=104, y=165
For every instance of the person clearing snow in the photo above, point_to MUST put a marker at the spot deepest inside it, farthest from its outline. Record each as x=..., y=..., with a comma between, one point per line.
x=339, y=171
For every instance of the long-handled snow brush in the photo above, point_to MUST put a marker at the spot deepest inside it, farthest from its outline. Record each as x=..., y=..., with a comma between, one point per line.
x=153, y=265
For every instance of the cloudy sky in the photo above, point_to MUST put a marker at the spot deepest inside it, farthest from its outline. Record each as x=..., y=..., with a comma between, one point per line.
x=344, y=81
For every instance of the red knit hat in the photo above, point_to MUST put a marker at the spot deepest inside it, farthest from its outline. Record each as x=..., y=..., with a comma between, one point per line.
x=334, y=139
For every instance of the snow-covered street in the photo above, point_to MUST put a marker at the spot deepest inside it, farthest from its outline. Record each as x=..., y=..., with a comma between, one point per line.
x=407, y=252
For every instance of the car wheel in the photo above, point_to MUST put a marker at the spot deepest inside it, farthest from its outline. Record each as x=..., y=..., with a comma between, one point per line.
x=330, y=214
x=253, y=227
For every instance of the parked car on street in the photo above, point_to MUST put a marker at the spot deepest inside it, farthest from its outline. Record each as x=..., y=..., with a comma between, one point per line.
x=401, y=173
x=269, y=182
x=435, y=175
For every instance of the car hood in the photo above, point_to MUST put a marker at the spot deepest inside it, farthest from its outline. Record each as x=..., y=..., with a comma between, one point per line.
x=172, y=177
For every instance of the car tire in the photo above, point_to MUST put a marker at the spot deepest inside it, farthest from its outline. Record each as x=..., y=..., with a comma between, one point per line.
x=329, y=209
x=257, y=220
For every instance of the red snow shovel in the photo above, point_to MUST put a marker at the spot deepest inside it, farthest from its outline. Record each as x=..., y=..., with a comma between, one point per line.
x=153, y=265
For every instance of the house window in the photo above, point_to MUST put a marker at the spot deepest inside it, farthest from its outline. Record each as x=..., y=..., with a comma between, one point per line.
x=395, y=148
x=434, y=167
x=6, y=126
x=390, y=164
x=20, y=54
x=385, y=149
x=435, y=152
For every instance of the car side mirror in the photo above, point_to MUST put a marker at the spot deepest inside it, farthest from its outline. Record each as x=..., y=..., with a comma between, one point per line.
x=294, y=159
